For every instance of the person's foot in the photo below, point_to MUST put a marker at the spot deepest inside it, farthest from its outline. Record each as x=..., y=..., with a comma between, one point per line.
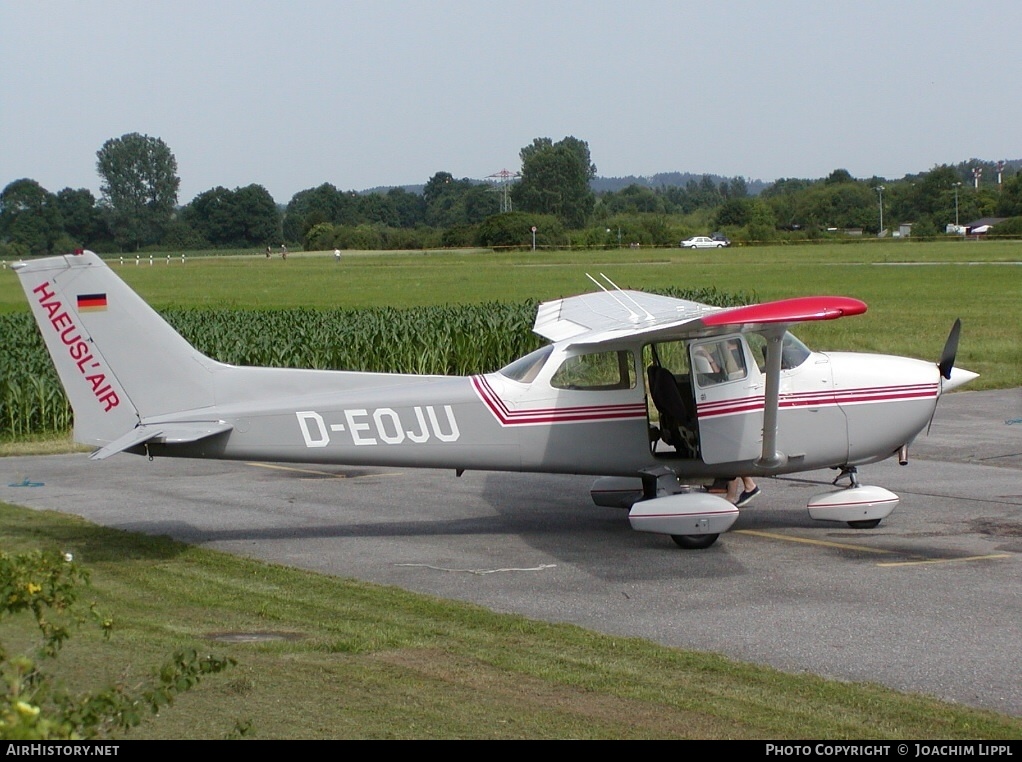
x=746, y=497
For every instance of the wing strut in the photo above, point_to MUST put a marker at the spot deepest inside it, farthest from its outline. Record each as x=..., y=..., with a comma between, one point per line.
x=771, y=457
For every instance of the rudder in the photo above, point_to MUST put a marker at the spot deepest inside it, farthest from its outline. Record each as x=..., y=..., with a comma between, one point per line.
x=118, y=360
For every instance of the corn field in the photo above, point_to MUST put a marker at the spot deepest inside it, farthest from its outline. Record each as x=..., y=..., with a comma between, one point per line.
x=437, y=340
x=446, y=340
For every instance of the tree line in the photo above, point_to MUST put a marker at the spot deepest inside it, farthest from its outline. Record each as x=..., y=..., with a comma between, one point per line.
x=138, y=208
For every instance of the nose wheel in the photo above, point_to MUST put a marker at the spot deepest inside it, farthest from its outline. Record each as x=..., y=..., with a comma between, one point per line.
x=867, y=524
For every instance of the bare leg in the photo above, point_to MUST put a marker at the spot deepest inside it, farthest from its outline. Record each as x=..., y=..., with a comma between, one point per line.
x=734, y=489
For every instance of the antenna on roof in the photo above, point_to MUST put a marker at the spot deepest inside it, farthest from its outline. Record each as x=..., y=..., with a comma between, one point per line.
x=628, y=296
x=631, y=315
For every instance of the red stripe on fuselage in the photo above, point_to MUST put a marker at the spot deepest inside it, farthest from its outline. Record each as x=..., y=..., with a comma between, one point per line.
x=859, y=396
x=551, y=415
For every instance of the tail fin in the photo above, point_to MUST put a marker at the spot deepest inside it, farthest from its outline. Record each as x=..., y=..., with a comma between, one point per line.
x=118, y=360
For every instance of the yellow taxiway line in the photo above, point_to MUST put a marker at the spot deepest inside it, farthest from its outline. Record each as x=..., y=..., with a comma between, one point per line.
x=866, y=549
x=821, y=543
x=944, y=560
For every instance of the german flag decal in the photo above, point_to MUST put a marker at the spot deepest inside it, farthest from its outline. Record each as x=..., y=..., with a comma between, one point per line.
x=91, y=302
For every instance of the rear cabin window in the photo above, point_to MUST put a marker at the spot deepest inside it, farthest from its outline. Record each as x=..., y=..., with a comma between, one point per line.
x=599, y=371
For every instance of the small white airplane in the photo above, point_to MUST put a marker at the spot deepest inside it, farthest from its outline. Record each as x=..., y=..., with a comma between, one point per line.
x=656, y=396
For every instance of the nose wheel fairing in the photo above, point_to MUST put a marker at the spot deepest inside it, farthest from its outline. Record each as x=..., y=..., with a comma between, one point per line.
x=861, y=506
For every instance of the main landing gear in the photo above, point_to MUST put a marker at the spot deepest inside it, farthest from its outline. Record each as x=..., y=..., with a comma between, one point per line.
x=694, y=519
x=694, y=541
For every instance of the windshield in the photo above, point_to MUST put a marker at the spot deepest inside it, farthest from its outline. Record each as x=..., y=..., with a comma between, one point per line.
x=793, y=351
x=525, y=369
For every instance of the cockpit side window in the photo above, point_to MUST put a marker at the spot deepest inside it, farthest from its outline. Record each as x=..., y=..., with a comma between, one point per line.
x=715, y=362
x=598, y=371
x=525, y=369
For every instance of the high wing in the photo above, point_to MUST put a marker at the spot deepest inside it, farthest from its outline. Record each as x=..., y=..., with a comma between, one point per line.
x=609, y=316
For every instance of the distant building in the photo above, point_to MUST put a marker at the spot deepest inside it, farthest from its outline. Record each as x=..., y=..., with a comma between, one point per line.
x=982, y=226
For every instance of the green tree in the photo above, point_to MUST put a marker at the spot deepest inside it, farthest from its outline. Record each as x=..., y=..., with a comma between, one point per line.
x=479, y=202
x=840, y=205
x=555, y=180
x=737, y=188
x=30, y=216
x=930, y=198
x=762, y=224
x=451, y=202
x=140, y=185
x=437, y=186
x=256, y=215
x=410, y=207
x=209, y=214
x=634, y=199
x=310, y=207
x=83, y=220
x=1010, y=203
x=839, y=176
x=242, y=217
x=377, y=209
x=732, y=213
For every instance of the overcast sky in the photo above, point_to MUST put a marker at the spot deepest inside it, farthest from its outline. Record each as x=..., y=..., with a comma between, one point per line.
x=293, y=94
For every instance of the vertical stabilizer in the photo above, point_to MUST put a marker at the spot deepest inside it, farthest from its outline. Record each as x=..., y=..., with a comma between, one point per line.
x=118, y=360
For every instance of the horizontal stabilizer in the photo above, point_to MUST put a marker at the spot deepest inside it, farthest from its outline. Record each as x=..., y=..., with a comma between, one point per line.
x=164, y=433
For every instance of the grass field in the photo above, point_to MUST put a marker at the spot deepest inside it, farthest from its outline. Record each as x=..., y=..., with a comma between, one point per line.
x=914, y=290
x=354, y=660
x=320, y=657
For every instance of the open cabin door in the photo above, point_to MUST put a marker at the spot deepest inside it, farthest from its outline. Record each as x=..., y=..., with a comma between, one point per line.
x=671, y=408
x=729, y=391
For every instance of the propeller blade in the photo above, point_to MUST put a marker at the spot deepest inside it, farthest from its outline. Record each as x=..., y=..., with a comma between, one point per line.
x=947, y=357
x=947, y=362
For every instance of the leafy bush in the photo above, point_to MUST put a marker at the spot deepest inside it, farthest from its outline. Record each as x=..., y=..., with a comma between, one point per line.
x=1011, y=227
x=13, y=251
x=33, y=703
x=514, y=229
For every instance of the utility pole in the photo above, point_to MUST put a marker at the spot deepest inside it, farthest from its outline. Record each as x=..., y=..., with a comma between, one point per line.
x=880, y=190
